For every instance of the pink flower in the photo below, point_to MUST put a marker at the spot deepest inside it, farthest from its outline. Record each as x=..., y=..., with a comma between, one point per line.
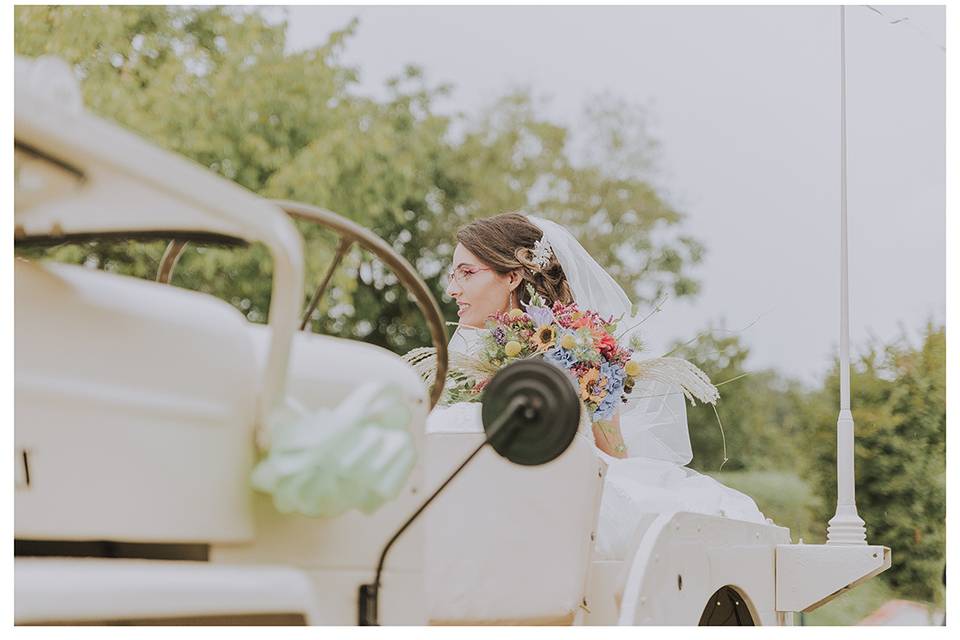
x=606, y=345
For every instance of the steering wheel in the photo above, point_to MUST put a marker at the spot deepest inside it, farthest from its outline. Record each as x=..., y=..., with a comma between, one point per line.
x=349, y=233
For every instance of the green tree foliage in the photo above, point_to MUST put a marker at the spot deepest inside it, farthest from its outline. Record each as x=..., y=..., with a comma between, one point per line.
x=776, y=429
x=216, y=85
x=757, y=409
x=898, y=399
x=784, y=496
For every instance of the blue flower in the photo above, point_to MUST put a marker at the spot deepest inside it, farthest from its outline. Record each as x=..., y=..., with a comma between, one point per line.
x=561, y=357
x=615, y=376
x=604, y=411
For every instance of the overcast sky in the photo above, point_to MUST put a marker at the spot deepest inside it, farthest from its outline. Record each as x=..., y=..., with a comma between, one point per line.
x=744, y=102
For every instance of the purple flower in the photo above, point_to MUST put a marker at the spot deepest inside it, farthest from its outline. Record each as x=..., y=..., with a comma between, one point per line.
x=541, y=316
x=500, y=335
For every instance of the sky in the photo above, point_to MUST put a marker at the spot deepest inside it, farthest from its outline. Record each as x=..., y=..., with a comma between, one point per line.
x=744, y=103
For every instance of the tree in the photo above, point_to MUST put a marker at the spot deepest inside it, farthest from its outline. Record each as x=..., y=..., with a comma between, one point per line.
x=757, y=409
x=898, y=400
x=216, y=85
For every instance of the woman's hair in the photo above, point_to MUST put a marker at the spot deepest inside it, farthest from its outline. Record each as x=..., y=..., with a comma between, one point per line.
x=505, y=243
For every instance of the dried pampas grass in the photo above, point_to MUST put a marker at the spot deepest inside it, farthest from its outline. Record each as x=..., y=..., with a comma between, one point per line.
x=694, y=383
x=424, y=362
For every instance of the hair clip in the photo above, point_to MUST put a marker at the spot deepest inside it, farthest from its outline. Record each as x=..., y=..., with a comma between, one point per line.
x=542, y=252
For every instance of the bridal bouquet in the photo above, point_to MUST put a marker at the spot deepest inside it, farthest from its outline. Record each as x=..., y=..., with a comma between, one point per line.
x=578, y=341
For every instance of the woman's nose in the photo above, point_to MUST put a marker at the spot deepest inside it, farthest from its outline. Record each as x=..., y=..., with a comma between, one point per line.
x=453, y=288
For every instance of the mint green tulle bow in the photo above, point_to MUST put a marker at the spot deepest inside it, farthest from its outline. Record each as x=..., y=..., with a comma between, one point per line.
x=326, y=462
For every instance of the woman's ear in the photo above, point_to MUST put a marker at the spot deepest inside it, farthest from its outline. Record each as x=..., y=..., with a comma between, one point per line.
x=514, y=280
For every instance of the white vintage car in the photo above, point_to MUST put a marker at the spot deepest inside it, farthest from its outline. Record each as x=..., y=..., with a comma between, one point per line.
x=140, y=406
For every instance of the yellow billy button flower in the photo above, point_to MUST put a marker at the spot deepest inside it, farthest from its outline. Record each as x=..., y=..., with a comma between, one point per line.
x=568, y=341
x=512, y=348
x=514, y=314
x=632, y=369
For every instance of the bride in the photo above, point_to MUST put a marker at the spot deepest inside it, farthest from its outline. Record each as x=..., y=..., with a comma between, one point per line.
x=646, y=445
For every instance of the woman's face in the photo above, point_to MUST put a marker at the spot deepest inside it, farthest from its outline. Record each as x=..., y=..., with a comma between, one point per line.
x=479, y=290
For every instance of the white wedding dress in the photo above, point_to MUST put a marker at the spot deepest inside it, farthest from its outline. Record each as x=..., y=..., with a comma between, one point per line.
x=653, y=480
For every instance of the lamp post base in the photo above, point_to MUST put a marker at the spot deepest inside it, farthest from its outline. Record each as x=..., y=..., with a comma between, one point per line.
x=846, y=527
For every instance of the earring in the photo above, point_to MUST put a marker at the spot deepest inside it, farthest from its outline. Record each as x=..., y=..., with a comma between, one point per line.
x=509, y=306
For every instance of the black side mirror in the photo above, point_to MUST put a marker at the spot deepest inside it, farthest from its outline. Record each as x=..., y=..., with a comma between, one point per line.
x=547, y=420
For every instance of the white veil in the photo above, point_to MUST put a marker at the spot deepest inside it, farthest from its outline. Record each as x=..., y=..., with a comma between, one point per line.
x=654, y=421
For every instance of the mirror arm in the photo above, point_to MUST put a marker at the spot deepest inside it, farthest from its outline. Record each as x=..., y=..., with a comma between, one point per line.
x=369, y=593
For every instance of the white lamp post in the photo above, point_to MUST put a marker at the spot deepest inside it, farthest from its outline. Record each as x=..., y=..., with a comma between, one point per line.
x=809, y=575
x=846, y=526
